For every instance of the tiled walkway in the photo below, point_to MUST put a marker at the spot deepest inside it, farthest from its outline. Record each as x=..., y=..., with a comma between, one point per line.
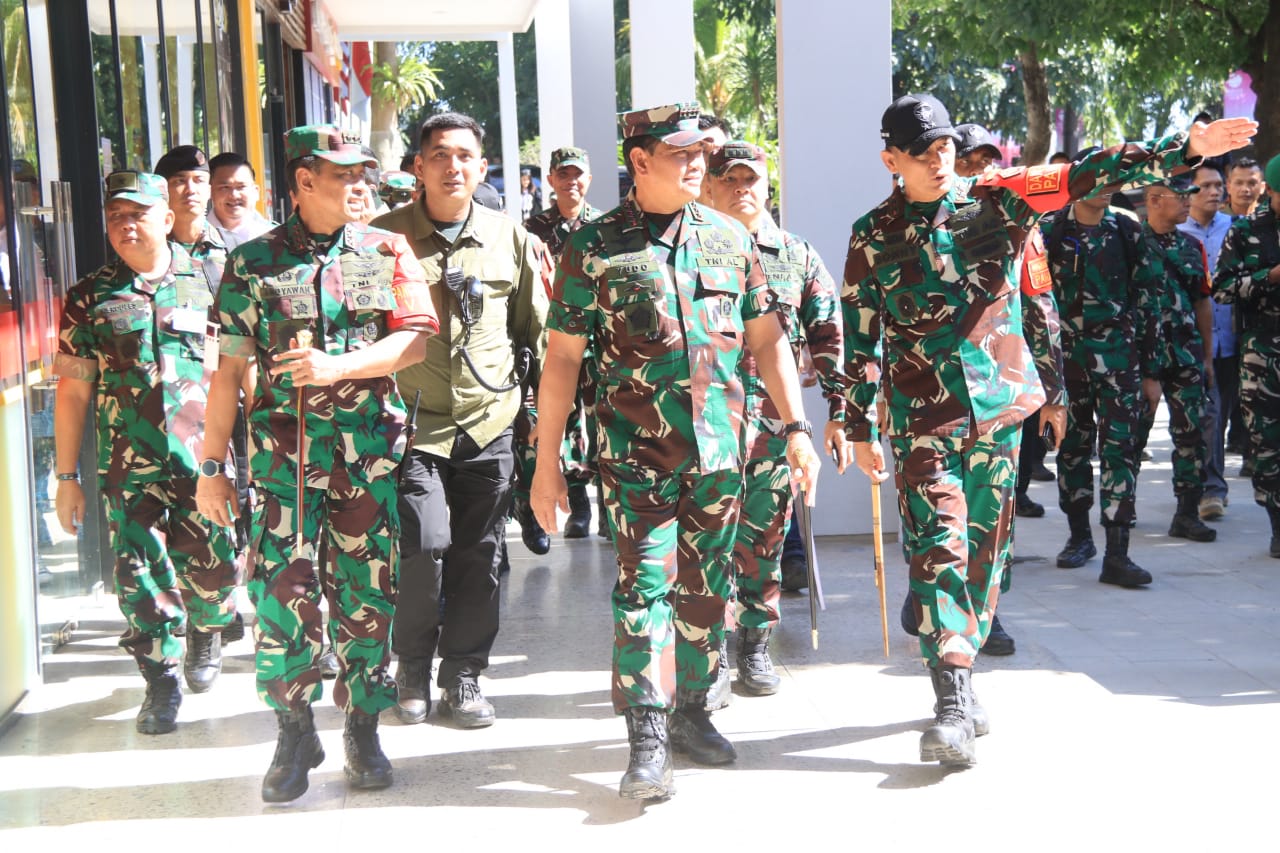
x=1127, y=720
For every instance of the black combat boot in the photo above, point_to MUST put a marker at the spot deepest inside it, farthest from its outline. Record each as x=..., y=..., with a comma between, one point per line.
x=977, y=713
x=234, y=632
x=535, y=538
x=578, y=524
x=907, y=616
x=721, y=693
x=755, y=668
x=998, y=642
x=413, y=690
x=950, y=740
x=159, y=712
x=1186, y=521
x=693, y=733
x=203, y=662
x=1117, y=568
x=648, y=775
x=328, y=662
x=298, y=750
x=367, y=768
x=1079, y=548
x=1274, y=515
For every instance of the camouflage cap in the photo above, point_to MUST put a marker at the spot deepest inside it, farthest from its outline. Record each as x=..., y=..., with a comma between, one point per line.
x=675, y=124
x=183, y=158
x=326, y=142
x=737, y=152
x=142, y=188
x=570, y=156
x=913, y=122
x=397, y=181
x=1272, y=174
x=1181, y=184
x=975, y=137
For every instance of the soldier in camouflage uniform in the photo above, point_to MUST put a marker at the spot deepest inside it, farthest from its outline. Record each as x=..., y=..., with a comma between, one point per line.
x=1108, y=301
x=134, y=333
x=930, y=291
x=1249, y=275
x=1186, y=361
x=187, y=172
x=665, y=292
x=397, y=188
x=808, y=308
x=361, y=293
x=570, y=177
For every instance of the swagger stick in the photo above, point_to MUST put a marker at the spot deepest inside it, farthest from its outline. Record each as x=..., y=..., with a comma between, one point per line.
x=303, y=339
x=878, y=545
x=816, y=598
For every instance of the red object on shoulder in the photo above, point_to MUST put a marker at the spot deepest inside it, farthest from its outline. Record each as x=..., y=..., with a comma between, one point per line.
x=1044, y=188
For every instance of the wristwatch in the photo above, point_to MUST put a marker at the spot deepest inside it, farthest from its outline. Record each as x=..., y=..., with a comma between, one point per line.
x=210, y=468
x=797, y=426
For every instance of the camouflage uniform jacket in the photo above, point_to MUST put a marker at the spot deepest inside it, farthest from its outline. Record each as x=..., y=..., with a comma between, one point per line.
x=1251, y=249
x=551, y=227
x=931, y=292
x=513, y=312
x=809, y=310
x=1182, y=272
x=1107, y=289
x=209, y=251
x=663, y=309
x=350, y=294
x=142, y=343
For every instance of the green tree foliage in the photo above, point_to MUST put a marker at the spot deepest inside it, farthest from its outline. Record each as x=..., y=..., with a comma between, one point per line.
x=468, y=74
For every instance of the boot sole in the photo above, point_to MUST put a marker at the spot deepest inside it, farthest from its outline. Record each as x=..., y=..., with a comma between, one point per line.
x=365, y=782
x=200, y=687
x=758, y=690
x=409, y=718
x=948, y=756
x=648, y=790
x=466, y=721
x=156, y=727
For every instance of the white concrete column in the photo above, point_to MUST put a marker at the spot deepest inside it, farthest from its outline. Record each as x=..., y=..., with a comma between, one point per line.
x=662, y=49
x=186, y=91
x=555, y=84
x=824, y=189
x=151, y=78
x=595, y=119
x=510, y=129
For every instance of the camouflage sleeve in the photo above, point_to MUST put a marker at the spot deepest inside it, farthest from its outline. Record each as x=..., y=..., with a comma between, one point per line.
x=574, y=296
x=1042, y=329
x=1130, y=162
x=529, y=309
x=861, y=300
x=1146, y=283
x=1243, y=266
x=823, y=332
x=237, y=310
x=413, y=298
x=77, y=356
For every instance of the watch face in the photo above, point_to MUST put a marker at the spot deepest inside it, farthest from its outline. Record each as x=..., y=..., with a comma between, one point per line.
x=210, y=468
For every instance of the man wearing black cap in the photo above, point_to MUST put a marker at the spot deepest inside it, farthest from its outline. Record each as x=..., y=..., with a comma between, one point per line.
x=931, y=293
x=1186, y=363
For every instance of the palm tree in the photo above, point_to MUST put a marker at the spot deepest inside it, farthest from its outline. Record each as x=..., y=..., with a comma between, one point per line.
x=399, y=82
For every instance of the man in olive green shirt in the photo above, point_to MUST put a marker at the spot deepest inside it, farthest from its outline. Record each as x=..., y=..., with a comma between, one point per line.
x=456, y=490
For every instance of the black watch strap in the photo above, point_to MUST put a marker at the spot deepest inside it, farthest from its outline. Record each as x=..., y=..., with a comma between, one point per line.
x=798, y=426
x=210, y=468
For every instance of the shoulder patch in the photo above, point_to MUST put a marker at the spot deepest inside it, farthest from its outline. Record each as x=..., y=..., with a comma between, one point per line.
x=1043, y=180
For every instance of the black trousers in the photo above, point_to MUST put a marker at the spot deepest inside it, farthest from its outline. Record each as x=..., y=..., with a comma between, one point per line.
x=453, y=514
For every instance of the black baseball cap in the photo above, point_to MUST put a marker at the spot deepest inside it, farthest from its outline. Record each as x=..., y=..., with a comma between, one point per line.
x=913, y=122
x=975, y=137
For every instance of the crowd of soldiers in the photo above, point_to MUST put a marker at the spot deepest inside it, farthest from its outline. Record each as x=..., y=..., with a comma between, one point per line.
x=344, y=409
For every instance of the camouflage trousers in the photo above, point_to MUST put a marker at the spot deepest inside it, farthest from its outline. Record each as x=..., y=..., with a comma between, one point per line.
x=955, y=497
x=361, y=530
x=1260, y=403
x=173, y=569
x=1103, y=411
x=674, y=536
x=1184, y=395
x=757, y=548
